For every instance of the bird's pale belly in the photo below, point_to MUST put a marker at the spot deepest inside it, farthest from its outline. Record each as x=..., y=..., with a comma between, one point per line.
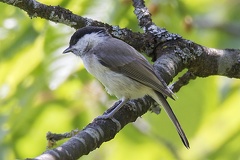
x=115, y=83
x=121, y=86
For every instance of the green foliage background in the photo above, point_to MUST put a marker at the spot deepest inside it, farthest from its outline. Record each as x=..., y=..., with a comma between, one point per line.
x=43, y=90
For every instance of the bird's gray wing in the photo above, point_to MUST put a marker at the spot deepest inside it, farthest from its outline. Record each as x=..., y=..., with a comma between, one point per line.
x=124, y=59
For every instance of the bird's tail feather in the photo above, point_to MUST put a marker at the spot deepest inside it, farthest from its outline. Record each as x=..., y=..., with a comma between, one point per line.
x=173, y=118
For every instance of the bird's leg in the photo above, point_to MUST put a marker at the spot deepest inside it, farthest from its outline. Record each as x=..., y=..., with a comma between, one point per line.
x=111, y=114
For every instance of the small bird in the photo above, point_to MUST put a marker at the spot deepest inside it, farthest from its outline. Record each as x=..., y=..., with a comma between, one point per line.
x=123, y=71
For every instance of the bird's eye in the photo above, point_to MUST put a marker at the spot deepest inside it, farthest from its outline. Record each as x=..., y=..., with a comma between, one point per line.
x=74, y=41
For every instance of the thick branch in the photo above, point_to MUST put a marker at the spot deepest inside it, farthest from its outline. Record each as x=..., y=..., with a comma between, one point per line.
x=157, y=41
x=217, y=62
x=53, y=13
x=174, y=56
x=99, y=131
x=173, y=53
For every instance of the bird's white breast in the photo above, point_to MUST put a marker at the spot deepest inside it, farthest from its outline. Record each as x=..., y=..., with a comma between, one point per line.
x=115, y=83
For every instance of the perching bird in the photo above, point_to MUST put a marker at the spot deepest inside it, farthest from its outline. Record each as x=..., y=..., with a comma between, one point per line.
x=123, y=71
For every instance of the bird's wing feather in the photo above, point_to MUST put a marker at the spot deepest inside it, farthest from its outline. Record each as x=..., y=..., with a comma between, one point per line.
x=126, y=60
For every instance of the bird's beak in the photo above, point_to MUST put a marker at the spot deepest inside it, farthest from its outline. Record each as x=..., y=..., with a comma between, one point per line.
x=69, y=49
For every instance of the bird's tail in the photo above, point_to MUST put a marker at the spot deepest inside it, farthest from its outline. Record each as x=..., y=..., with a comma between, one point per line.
x=172, y=116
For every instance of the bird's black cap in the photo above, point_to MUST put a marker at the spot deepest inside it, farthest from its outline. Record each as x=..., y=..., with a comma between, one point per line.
x=86, y=30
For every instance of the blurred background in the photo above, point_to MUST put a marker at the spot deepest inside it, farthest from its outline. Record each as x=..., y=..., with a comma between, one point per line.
x=43, y=90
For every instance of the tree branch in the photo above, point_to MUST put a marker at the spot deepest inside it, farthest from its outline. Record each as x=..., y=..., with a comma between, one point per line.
x=170, y=52
x=61, y=15
x=99, y=131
